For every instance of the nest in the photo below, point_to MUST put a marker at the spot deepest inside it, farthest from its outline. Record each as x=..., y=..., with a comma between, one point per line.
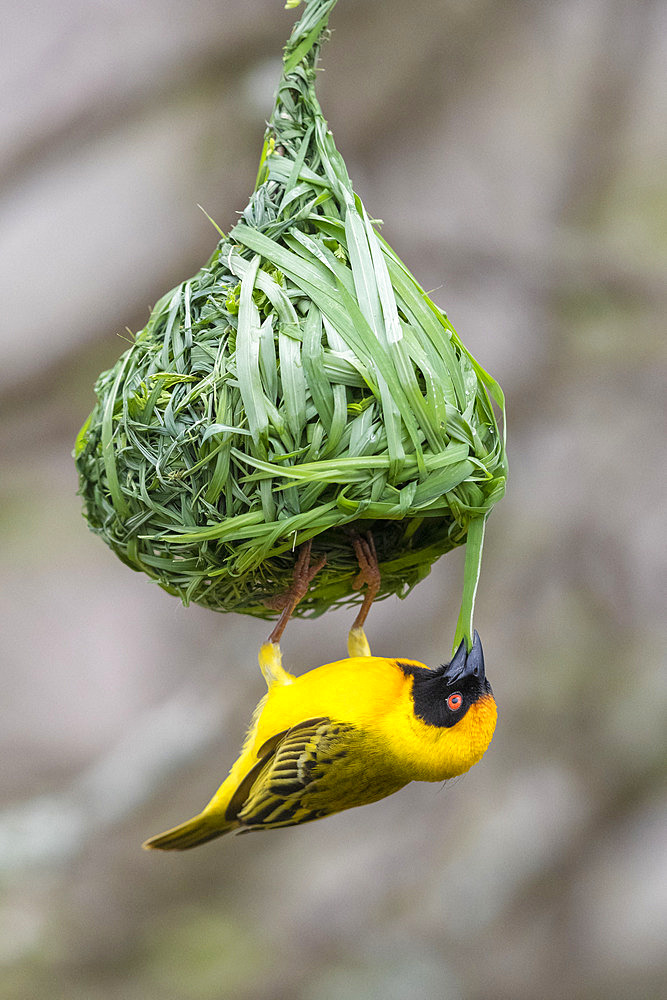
x=301, y=385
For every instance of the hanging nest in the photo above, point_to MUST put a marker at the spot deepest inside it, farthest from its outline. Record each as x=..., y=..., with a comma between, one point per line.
x=301, y=385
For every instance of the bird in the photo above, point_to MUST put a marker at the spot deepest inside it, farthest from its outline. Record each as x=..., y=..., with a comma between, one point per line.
x=347, y=733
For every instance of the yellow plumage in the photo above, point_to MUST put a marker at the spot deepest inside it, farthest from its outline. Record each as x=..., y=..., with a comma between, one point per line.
x=346, y=734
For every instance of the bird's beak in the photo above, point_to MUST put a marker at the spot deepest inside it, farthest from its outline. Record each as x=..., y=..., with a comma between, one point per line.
x=464, y=664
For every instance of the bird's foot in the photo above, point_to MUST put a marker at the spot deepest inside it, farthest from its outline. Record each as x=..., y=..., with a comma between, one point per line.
x=301, y=580
x=369, y=574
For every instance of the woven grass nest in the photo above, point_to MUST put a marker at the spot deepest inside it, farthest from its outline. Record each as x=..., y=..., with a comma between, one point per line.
x=301, y=385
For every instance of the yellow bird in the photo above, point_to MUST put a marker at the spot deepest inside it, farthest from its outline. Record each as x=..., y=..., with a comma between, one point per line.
x=347, y=733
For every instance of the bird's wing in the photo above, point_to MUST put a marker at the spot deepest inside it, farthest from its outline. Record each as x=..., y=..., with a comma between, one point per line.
x=311, y=770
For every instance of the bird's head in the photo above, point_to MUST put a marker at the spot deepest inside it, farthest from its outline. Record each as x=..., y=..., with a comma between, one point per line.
x=456, y=699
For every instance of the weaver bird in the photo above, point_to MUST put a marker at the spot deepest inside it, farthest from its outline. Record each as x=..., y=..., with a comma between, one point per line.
x=347, y=733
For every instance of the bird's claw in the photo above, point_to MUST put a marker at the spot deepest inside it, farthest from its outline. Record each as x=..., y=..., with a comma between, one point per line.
x=369, y=574
x=302, y=578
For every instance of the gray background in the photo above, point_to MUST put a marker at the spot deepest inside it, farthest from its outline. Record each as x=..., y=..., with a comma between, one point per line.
x=516, y=152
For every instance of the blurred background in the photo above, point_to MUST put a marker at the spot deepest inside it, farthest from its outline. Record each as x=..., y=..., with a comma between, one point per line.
x=517, y=155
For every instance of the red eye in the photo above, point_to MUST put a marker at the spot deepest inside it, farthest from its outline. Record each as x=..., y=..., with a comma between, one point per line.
x=455, y=701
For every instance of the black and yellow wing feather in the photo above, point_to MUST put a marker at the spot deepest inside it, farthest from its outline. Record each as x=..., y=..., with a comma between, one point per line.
x=314, y=769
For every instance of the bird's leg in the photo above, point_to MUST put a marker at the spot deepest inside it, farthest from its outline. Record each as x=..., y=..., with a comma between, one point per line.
x=271, y=665
x=369, y=574
x=301, y=580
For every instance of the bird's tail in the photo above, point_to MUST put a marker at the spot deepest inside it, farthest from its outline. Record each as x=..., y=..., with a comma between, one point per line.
x=197, y=830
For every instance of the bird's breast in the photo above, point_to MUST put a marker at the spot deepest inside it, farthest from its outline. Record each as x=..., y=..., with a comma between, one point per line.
x=436, y=753
x=374, y=695
x=359, y=690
